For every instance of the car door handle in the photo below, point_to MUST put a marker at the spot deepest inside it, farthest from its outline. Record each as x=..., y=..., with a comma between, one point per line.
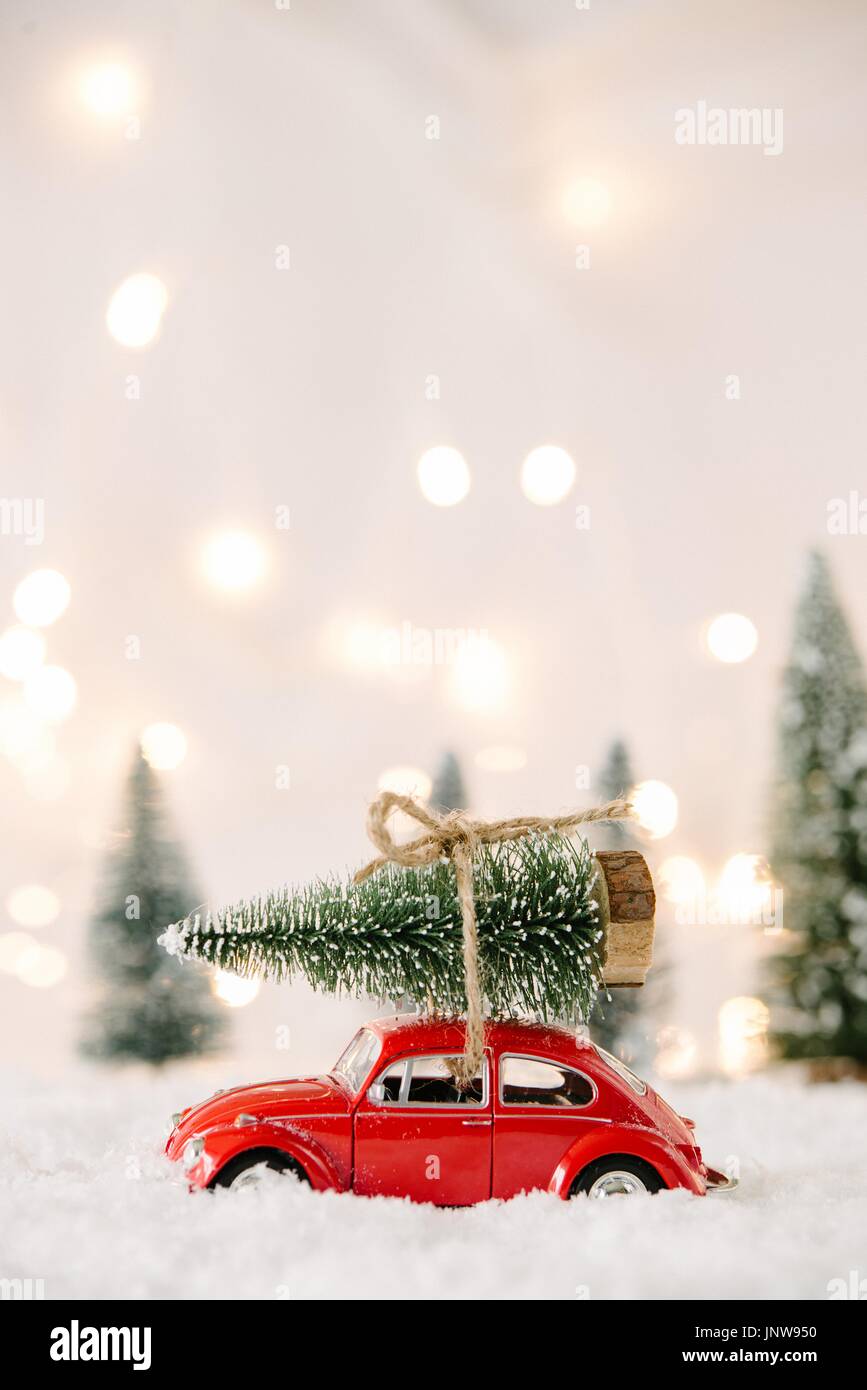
x=475, y=1122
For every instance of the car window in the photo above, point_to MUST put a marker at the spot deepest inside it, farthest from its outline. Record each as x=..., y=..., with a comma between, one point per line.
x=428, y=1081
x=431, y=1083
x=528, y=1081
x=638, y=1086
x=391, y=1080
x=358, y=1058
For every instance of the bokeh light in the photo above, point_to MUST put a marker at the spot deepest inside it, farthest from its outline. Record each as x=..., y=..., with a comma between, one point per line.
x=677, y=1053
x=234, y=990
x=32, y=905
x=135, y=310
x=746, y=888
x=108, y=89
x=164, y=746
x=21, y=652
x=586, y=203
x=731, y=638
x=480, y=678
x=51, y=693
x=233, y=560
x=547, y=475
x=406, y=781
x=41, y=967
x=443, y=476
x=680, y=880
x=655, y=807
x=41, y=597
x=743, y=1034
x=14, y=946
x=501, y=757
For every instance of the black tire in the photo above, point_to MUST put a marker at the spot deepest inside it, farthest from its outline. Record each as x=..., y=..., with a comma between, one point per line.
x=258, y=1158
x=592, y=1175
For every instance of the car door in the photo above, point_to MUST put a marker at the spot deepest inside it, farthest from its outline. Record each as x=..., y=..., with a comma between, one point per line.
x=418, y=1135
x=542, y=1107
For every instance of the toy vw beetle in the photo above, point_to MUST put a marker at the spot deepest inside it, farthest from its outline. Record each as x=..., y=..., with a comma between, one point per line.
x=548, y=1110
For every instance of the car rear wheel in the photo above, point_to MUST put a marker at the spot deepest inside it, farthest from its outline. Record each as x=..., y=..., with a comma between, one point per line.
x=252, y=1169
x=618, y=1176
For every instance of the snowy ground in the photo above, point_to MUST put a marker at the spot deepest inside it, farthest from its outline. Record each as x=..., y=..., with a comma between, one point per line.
x=88, y=1204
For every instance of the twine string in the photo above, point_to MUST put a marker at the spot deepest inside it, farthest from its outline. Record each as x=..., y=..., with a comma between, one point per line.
x=454, y=836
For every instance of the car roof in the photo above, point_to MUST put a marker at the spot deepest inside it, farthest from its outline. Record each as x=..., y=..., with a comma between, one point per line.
x=416, y=1033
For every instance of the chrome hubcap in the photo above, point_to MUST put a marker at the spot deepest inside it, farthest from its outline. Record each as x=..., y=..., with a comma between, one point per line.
x=617, y=1184
x=252, y=1177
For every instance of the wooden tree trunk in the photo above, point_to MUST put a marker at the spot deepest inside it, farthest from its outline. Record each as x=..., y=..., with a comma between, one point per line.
x=626, y=905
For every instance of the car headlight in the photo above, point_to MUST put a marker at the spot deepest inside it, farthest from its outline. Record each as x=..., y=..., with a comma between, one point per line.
x=193, y=1150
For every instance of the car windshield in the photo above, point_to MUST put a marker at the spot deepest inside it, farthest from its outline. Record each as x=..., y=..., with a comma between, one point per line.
x=639, y=1086
x=359, y=1057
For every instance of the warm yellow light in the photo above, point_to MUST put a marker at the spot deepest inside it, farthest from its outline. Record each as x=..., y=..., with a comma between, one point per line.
x=443, y=476
x=480, y=676
x=234, y=990
x=135, y=310
x=680, y=879
x=677, y=1054
x=108, y=89
x=743, y=1031
x=731, y=638
x=21, y=651
x=586, y=203
x=42, y=967
x=746, y=888
x=51, y=693
x=655, y=808
x=547, y=475
x=358, y=644
x=14, y=946
x=164, y=746
x=406, y=781
x=233, y=560
x=31, y=905
x=41, y=597
x=501, y=758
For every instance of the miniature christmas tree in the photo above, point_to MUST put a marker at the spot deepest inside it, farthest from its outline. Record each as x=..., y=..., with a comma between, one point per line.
x=147, y=1009
x=399, y=931
x=819, y=848
x=449, y=792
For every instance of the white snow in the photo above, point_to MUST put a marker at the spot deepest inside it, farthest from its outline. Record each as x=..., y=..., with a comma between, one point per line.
x=89, y=1205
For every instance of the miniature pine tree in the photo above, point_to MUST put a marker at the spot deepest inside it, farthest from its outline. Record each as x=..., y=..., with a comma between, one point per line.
x=449, y=793
x=614, y=1023
x=819, y=844
x=399, y=932
x=148, y=1008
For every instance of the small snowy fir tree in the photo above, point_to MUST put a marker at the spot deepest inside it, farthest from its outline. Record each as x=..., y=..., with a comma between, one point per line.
x=449, y=793
x=819, y=843
x=149, y=1008
x=399, y=932
x=614, y=1023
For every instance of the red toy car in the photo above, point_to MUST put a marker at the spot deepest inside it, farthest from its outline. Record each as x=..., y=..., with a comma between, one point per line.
x=547, y=1111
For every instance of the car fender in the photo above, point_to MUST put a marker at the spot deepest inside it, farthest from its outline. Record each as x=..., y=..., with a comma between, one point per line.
x=222, y=1145
x=671, y=1165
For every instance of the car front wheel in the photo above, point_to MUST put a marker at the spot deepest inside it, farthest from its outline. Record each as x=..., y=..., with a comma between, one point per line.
x=252, y=1169
x=617, y=1177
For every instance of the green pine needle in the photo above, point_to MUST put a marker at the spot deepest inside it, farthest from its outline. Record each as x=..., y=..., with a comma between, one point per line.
x=399, y=932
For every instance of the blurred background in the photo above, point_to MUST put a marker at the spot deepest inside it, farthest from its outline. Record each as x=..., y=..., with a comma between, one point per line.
x=388, y=396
